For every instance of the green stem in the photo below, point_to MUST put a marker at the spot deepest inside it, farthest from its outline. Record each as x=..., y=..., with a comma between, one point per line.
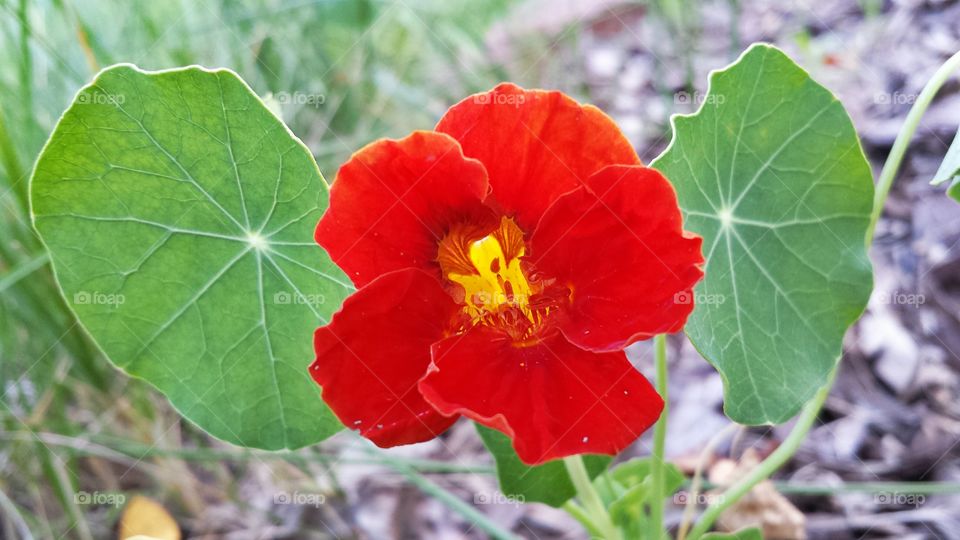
x=11, y=278
x=659, y=439
x=767, y=467
x=115, y=448
x=590, y=498
x=902, y=142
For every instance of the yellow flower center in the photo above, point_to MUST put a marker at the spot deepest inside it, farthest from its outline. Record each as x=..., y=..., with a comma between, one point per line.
x=497, y=289
x=497, y=281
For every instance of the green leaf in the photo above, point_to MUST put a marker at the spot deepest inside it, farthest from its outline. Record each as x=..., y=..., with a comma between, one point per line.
x=548, y=483
x=752, y=533
x=179, y=215
x=950, y=169
x=770, y=172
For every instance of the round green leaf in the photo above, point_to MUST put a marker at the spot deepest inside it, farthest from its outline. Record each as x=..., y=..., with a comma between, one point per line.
x=179, y=213
x=770, y=172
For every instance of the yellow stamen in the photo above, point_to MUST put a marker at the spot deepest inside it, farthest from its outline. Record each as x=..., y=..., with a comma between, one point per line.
x=498, y=281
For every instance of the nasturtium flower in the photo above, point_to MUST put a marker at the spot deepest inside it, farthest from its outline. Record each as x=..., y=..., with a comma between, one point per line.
x=503, y=262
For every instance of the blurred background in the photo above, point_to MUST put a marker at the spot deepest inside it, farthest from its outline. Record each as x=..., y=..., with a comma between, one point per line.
x=78, y=438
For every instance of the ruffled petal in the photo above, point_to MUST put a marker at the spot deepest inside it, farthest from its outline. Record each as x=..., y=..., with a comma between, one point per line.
x=373, y=352
x=553, y=399
x=536, y=145
x=619, y=244
x=394, y=200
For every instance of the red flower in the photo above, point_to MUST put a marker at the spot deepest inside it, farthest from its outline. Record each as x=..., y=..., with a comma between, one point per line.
x=503, y=263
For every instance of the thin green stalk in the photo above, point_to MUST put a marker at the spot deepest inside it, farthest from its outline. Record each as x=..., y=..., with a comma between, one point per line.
x=659, y=439
x=812, y=489
x=16, y=518
x=11, y=163
x=767, y=467
x=902, y=142
x=910, y=488
x=113, y=448
x=450, y=500
x=25, y=269
x=590, y=498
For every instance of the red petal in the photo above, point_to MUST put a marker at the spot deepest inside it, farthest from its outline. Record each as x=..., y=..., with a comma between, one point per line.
x=553, y=399
x=373, y=352
x=394, y=200
x=619, y=244
x=535, y=144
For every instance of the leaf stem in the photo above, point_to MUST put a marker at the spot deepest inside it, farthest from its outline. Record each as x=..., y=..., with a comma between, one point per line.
x=659, y=439
x=767, y=467
x=902, y=142
x=588, y=495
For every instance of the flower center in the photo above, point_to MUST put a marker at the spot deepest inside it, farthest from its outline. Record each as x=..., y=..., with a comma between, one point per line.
x=498, y=291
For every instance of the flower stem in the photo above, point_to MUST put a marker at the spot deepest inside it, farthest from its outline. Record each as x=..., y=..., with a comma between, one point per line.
x=659, y=439
x=892, y=165
x=766, y=467
x=589, y=497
